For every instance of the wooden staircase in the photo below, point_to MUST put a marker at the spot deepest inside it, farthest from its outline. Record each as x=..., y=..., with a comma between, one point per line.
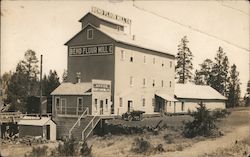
x=84, y=126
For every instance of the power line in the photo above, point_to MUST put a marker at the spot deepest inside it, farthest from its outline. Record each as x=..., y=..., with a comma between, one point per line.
x=190, y=27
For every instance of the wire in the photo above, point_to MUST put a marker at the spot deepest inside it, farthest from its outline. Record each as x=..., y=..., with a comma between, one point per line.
x=190, y=27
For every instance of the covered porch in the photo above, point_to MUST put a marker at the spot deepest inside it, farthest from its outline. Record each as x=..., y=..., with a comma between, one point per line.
x=164, y=103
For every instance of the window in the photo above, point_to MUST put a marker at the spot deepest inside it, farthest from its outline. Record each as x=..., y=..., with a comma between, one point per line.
x=90, y=34
x=132, y=57
x=144, y=59
x=153, y=101
x=182, y=106
x=143, y=102
x=80, y=104
x=162, y=83
x=162, y=64
x=153, y=83
x=106, y=104
x=122, y=55
x=170, y=84
x=153, y=60
x=96, y=104
x=131, y=81
x=170, y=64
x=120, y=102
x=169, y=103
x=57, y=102
x=144, y=82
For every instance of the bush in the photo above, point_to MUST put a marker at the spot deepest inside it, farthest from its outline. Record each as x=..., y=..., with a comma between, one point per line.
x=159, y=149
x=86, y=150
x=141, y=145
x=67, y=148
x=168, y=138
x=38, y=152
x=204, y=123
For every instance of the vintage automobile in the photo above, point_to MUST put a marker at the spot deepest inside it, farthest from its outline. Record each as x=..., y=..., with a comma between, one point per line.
x=133, y=115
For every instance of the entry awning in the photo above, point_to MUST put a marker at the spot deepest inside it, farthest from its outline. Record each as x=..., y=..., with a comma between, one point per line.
x=166, y=97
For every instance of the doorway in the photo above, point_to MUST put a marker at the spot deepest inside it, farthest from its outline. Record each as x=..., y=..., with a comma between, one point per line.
x=130, y=105
x=101, y=107
x=48, y=132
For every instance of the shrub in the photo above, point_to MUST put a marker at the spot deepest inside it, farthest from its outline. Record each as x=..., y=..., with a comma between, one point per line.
x=141, y=145
x=159, y=149
x=204, y=123
x=67, y=148
x=86, y=150
x=38, y=152
x=168, y=138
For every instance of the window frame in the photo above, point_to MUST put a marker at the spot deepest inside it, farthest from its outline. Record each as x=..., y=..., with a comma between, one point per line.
x=88, y=36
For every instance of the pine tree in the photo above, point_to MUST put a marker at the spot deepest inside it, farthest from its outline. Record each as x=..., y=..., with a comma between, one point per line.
x=219, y=73
x=202, y=76
x=184, y=65
x=234, y=87
x=247, y=95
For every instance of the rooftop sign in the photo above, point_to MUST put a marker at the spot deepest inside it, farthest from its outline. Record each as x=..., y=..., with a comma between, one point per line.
x=110, y=15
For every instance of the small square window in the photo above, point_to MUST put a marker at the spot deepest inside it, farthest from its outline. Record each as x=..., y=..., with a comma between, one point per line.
x=131, y=59
x=90, y=34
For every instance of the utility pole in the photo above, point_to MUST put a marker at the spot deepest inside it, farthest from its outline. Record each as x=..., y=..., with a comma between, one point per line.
x=41, y=92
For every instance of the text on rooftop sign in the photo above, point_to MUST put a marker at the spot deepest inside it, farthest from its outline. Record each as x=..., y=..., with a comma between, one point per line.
x=104, y=49
x=98, y=87
x=110, y=15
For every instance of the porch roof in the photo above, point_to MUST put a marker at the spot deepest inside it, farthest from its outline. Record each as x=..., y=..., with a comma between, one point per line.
x=73, y=89
x=166, y=97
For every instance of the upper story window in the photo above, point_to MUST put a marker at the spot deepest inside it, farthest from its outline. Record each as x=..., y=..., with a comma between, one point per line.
x=154, y=60
x=57, y=102
x=170, y=64
x=162, y=64
x=153, y=83
x=122, y=55
x=162, y=83
x=144, y=59
x=132, y=57
x=90, y=34
x=144, y=82
x=131, y=81
x=170, y=84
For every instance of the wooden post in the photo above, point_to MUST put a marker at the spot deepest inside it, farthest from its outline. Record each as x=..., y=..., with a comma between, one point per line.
x=41, y=93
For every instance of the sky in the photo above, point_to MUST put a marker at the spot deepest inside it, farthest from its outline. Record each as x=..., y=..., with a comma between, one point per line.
x=45, y=26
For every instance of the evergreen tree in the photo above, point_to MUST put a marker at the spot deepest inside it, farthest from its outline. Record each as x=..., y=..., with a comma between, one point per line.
x=234, y=87
x=184, y=65
x=50, y=83
x=202, y=76
x=219, y=73
x=23, y=82
x=247, y=96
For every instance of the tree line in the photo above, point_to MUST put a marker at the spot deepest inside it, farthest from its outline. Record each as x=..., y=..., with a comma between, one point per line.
x=19, y=85
x=216, y=73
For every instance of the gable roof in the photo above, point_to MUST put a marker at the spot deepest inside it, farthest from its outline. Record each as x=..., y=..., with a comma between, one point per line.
x=126, y=39
x=73, y=89
x=192, y=91
x=101, y=18
x=36, y=121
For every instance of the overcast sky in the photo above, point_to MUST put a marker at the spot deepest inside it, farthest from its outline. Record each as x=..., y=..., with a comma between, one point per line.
x=44, y=26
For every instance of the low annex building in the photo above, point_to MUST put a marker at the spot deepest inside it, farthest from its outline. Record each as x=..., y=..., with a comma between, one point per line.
x=190, y=95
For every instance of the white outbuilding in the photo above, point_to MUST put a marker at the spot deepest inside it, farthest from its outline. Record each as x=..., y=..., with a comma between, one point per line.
x=36, y=126
x=189, y=97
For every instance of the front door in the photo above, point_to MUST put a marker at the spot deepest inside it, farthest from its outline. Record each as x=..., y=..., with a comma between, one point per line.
x=130, y=105
x=101, y=107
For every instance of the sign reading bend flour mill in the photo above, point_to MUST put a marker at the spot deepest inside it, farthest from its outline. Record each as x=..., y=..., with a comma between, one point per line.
x=104, y=49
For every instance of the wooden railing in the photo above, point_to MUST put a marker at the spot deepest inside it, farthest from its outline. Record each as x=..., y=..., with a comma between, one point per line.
x=85, y=113
x=91, y=124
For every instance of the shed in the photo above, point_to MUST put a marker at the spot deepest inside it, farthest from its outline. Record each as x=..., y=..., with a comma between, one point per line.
x=36, y=126
x=190, y=95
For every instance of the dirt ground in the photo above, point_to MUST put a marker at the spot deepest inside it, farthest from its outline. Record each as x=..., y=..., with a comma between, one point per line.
x=236, y=129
